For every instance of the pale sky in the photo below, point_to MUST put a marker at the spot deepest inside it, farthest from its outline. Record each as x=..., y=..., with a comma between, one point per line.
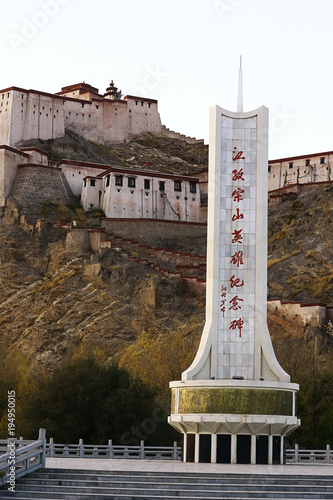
x=185, y=53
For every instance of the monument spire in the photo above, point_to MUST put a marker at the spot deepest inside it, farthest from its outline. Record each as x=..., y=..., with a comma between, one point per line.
x=240, y=88
x=235, y=403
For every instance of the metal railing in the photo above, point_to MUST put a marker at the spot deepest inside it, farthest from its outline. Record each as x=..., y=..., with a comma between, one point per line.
x=19, y=457
x=297, y=455
x=110, y=450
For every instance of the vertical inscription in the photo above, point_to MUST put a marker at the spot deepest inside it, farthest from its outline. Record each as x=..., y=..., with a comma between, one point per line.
x=237, y=248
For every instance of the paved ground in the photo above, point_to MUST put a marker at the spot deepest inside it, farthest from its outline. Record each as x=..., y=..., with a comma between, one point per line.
x=176, y=466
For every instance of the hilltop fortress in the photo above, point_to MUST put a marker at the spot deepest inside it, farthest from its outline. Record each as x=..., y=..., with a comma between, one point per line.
x=31, y=178
x=30, y=114
x=107, y=118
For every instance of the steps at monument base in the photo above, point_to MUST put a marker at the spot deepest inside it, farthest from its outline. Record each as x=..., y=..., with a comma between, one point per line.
x=54, y=484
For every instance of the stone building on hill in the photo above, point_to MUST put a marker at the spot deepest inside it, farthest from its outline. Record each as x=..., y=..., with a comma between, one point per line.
x=119, y=192
x=30, y=178
x=299, y=170
x=30, y=114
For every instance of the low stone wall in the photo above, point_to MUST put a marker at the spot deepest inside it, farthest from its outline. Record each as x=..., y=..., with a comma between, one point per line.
x=176, y=135
x=277, y=196
x=159, y=233
x=38, y=184
x=314, y=314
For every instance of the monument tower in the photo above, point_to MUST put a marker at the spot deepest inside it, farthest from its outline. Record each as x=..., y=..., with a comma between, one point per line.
x=235, y=403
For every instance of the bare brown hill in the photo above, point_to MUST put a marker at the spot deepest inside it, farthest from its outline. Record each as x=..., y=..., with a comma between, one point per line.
x=300, y=252
x=55, y=301
x=146, y=151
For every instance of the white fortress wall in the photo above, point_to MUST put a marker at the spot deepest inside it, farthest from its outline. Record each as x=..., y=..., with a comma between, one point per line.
x=5, y=116
x=9, y=161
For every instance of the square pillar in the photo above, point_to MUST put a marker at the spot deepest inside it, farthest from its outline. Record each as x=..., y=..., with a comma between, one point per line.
x=185, y=448
x=253, y=449
x=214, y=449
x=233, y=448
x=196, y=448
x=282, y=451
x=270, y=450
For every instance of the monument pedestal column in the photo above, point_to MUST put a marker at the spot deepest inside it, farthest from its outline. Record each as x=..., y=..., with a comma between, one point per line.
x=235, y=403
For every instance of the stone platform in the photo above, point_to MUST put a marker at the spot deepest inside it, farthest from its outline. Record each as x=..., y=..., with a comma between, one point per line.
x=177, y=466
x=121, y=479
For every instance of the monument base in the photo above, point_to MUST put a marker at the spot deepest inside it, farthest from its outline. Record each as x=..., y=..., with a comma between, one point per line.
x=234, y=421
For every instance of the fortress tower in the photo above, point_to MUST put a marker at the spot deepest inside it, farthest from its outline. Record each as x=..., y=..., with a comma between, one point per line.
x=235, y=403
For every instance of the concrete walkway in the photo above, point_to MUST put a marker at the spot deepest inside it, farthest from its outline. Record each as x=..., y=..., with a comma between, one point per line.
x=120, y=464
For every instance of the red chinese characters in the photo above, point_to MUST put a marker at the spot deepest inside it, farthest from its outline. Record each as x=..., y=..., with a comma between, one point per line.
x=235, y=303
x=238, y=155
x=223, y=299
x=238, y=175
x=237, y=324
x=237, y=215
x=237, y=236
x=237, y=194
x=237, y=258
x=236, y=282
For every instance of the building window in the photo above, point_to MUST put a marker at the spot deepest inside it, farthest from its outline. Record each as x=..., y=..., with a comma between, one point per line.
x=107, y=180
x=119, y=180
x=307, y=163
x=162, y=186
x=92, y=182
x=147, y=183
x=193, y=187
x=269, y=168
x=177, y=186
x=322, y=160
x=291, y=164
x=85, y=183
x=131, y=182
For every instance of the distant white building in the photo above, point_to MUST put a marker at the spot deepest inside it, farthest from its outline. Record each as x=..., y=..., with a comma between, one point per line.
x=300, y=170
x=128, y=193
x=119, y=192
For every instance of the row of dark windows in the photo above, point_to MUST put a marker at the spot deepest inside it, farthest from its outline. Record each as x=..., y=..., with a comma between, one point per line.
x=142, y=103
x=307, y=163
x=131, y=183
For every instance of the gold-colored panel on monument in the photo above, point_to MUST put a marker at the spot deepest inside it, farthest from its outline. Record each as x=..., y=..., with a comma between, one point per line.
x=173, y=400
x=236, y=401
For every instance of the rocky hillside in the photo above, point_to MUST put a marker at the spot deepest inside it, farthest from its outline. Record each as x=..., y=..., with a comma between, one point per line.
x=300, y=251
x=55, y=301
x=162, y=154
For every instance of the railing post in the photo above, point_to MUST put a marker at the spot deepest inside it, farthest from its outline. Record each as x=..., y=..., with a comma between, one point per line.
x=20, y=444
x=51, y=448
x=142, y=451
x=42, y=437
x=175, y=450
x=296, y=454
x=81, y=447
x=110, y=448
x=328, y=449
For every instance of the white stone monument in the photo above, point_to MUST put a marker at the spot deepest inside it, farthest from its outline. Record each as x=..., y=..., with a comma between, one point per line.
x=235, y=403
